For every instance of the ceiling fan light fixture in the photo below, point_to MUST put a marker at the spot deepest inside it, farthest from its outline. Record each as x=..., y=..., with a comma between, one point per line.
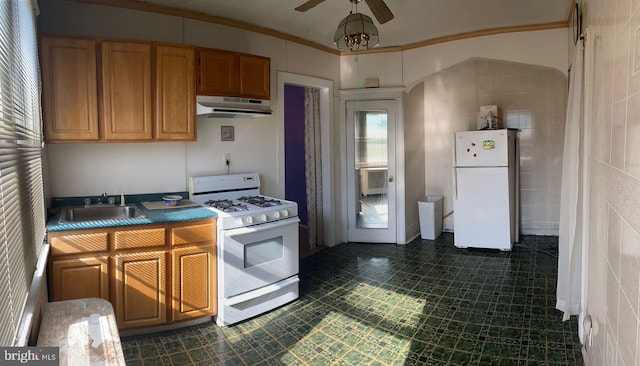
x=356, y=32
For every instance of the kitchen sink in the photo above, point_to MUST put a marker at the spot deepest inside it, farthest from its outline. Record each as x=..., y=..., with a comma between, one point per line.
x=100, y=212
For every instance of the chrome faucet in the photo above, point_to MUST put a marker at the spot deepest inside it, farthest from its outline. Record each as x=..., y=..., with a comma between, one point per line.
x=100, y=201
x=101, y=198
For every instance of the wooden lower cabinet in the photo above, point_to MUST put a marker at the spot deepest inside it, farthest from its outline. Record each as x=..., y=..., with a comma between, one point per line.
x=194, y=278
x=140, y=296
x=80, y=242
x=79, y=278
x=152, y=274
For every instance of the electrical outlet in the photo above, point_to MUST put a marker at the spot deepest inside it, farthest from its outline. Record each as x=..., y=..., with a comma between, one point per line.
x=226, y=159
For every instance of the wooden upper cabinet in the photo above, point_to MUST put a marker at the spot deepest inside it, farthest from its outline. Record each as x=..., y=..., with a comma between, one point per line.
x=255, y=76
x=126, y=91
x=69, y=85
x=130, y=91
x=217, y=72
x=233, y=74
x=175, y=93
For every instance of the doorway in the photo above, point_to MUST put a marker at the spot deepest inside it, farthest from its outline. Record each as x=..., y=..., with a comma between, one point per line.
x=371, y=188
x=291, y=146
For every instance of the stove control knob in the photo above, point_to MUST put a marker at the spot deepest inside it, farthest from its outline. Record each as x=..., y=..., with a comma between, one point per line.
x=285, y=213
x=263, y=217
x=276, y=214
x=239, y=221
x=249, y=220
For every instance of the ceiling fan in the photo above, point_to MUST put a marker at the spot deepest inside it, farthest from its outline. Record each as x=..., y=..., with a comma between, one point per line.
x=379, y=9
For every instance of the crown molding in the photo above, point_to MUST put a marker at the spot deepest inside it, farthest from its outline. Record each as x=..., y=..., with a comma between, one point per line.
x=136, y=5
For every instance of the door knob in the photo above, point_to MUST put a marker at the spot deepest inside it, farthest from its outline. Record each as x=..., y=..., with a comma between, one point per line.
x=390, y=179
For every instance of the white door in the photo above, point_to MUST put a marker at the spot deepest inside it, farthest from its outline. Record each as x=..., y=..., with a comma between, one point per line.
x=371, y=155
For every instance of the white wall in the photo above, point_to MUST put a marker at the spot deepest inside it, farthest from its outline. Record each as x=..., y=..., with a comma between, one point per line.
x=414, y=158
x=83, y=169
x=531, y=99
x=387, y=67
x=544, y=50
x=91, y=169
x=407, y=68
x=154, y=167
x=612, y=282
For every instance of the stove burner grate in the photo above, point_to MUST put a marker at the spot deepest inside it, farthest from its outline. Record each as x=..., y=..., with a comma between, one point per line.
x=260, y=201
x=226, y=205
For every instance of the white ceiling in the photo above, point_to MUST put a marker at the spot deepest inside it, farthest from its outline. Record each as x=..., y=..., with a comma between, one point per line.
x=415, y=20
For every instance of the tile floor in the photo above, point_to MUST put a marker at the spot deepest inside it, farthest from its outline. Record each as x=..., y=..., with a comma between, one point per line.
x=424, y=303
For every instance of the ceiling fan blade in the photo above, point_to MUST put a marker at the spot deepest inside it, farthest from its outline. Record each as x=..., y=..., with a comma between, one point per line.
x=380, y=10
x=308, y=5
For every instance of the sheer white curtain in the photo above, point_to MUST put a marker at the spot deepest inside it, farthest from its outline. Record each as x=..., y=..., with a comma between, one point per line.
x=313, y=165
x=571, y=200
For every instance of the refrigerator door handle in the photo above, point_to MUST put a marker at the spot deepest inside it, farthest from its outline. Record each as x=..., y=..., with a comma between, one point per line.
x=455, y=183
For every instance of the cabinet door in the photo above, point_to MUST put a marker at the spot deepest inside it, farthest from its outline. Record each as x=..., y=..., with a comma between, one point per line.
x=217, y=73
x=175, y=93
x=255, y=77
x=69, y=89
x=194, y=282
x=126, y=91
x=79, y=278
x=140, y=293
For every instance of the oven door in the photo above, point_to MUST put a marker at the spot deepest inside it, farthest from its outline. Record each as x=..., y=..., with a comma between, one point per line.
x=259, y=255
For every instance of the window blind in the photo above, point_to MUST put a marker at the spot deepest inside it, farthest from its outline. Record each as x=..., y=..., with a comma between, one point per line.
x=22, y=212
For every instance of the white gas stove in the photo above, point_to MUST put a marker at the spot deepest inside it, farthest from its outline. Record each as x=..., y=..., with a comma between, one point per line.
x=257, y=245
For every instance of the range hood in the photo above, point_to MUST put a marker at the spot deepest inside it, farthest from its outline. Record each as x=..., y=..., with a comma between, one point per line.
x=229, y=107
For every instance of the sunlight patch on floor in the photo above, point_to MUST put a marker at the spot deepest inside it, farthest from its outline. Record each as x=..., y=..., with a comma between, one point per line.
x=332, y=339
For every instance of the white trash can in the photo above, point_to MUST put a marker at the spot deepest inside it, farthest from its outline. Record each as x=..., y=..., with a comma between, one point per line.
x=430, y=213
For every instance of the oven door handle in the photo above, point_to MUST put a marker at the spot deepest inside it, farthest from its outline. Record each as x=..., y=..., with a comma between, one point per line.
x=260, y=227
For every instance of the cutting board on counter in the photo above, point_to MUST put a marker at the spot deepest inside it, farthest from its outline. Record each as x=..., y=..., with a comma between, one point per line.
x=160, y=205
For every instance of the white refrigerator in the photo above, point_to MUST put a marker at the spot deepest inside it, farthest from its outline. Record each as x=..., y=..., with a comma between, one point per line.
x=486, y=209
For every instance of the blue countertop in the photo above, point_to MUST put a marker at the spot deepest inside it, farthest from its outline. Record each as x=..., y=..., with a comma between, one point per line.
x=152, y=216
